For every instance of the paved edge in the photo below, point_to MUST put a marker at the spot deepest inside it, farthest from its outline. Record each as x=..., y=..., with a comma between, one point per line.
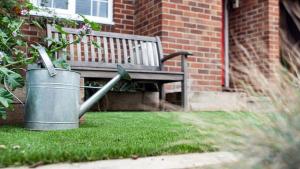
x=182, y=161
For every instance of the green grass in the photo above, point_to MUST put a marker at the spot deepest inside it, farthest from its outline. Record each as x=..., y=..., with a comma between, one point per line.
x=107, y=136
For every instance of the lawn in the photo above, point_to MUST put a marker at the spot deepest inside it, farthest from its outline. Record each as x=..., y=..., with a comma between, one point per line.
x=107, y=136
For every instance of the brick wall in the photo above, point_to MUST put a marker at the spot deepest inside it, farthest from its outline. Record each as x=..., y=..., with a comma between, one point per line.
x=148, y=15
x=123, y=17
x=195, y=26
x=255, y=26
x=190, y=25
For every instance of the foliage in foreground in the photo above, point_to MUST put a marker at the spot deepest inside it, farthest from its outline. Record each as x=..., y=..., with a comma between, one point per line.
x=272, y=139
x=12, y=58
x=16, y=52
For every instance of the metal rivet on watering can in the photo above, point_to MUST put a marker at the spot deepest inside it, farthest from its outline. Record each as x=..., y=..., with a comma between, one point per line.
x=53, y=96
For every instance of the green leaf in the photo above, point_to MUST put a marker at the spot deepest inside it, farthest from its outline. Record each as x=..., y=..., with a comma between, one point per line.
x=11, y=78
x=62, y=63
x=7, y=59
x=20, y=43
x=60, y=29
x=3, y=114
x=2, y=34
x=5, y=20
x=6, y=98
x=37, y=24
x=14, y=81
x=96, y=44
x=30, y=6
x=95, y=26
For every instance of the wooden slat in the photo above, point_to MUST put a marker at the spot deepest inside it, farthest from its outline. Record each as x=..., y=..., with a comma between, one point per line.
x=85, y=48
x=112, y=50
x=49, y=33
x=92, y=49
x=144, y=53
x=137, y=52
x=155, y=54
x=124, y=36
x=160, y=51
x=125, y=51
x=108, y=34
x=64, y=50
x=64, y=37
x=105, y=49
x=132, y=61
x=56, y=37
x=95, y=66
x=150, y=54
x=136, y=75
x=71, y=39
x=99, y=49
x=79, y=52
x=119, y=51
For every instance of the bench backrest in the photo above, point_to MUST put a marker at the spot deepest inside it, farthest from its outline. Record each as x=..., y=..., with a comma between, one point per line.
x=130, y=51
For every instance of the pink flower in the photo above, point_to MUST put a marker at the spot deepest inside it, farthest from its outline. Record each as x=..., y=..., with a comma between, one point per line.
x=14, y=34
x=86, y=28
x=24, y=12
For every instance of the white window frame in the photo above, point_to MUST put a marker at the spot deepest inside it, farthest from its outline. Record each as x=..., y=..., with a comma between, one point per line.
x=70, y=13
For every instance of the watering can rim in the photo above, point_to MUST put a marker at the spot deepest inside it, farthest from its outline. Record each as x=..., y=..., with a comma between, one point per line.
x=57, y=69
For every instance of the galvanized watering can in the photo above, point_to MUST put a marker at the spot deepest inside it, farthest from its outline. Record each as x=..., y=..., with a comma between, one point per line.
x=53, y=96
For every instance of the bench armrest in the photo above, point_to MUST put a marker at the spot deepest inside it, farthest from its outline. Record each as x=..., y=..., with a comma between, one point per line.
x=181, y=53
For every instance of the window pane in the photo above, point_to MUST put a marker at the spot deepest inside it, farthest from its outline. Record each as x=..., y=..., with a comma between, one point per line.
x=45, y=3
x=83, y=7
x=100, y=8
x=61, y=4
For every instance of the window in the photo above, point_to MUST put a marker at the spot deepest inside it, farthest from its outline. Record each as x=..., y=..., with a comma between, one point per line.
x=96, y=10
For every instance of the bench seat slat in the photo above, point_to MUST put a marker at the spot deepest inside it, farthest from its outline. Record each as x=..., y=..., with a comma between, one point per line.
x=72, y=55
x=85, y=48
x=92, y=49
x=95, y=66
x=112, y=50
x=119, y=51
x=144, y=53
x=56, y=37
x=105, y=50
x=131, y=53
x=125, y=51
x=155, y=54
x=137, y=53
x=134, y=74
x=150, y=54
x=99, y=49
x=79, y=52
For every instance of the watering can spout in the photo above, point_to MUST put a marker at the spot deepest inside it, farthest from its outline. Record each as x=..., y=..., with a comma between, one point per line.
x=122, y=74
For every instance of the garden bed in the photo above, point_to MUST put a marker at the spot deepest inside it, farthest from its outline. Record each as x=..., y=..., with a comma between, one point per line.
x=106, y=136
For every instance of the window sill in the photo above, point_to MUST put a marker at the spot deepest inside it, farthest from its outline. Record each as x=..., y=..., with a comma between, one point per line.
x=75, y=17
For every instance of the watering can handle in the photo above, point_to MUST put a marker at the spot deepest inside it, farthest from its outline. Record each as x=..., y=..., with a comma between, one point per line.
x=46, y=61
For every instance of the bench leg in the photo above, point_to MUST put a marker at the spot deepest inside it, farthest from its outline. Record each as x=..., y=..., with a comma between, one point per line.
x=162, y=96
x=184, y=96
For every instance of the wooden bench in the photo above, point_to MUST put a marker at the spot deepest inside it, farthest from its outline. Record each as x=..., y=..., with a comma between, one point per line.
x=142, y=56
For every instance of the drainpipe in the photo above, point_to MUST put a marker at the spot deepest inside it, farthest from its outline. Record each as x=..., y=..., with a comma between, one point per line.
x=226, y=44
